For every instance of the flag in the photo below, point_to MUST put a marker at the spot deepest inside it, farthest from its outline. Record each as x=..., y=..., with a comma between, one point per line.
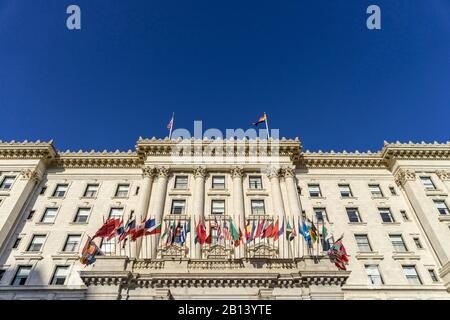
x=170, y=124
x=304, y=229
x=108, y=228
x=179, y=236
x=89, y=252
x=201, y=233
x=234, y=232
x=248, y=229
x=164, y=234
x=267, y=233
x=260, y=228
x=290, y=232
x=238, y=240
x=275, y=230
x=325, y=242
x=226, y=232
x=338, y=255
x=313, y=232
x=280, y=233
x=260, y=120
x=128, y=229
x=252, y=233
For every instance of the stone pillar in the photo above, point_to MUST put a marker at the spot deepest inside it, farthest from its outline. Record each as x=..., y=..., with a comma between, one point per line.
x=148, y=174
x=436, y=231
x=199, y=209
x=278, y=206
x=159, y=200
x=444, y=175
x=294, y=215
x=239, y=210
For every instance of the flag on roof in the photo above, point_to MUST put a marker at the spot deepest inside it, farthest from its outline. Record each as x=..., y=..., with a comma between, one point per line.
x=260, y=120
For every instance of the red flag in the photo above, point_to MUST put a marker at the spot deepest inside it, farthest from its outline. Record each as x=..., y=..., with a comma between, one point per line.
x=275, y=231
x=108, y=228
x=267, y=233
x=201, y=233
x=260, y=228
x=238, y=241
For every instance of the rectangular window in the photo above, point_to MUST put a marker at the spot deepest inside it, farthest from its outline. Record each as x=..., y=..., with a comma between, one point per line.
x=427, y=183
x=31, y=214
x=7, y=182
x=181, y=182
x=116, y=213
x=21, y=276
x=392, y=190
x=411, y=275
x=373, y=274
x=353, y=215
x=2, y=273
x=321, y=214
x=60, y=275
x=441, y=206
x=386, y=215
x=36, y=243
x=398, y=243
x=255, y=182
x=17, y=243
x=218, y=207
x=375, y=190
x=137, y=191
x=363, y=243
x=418, y=243
x=178, y=207
x=314, y=190
x=404, y=215
x=433, y=275
x=122, y=190
x=43, y=189
x=91, y=190
x=72, y=243
x=49, y=215
x=218, y=182
x=258, y=207
x=108, y=246
x=60, y=191
x=82, y=215
x=345, y=191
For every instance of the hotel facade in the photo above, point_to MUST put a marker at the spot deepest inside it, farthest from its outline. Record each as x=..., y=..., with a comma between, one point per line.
x=391, y=206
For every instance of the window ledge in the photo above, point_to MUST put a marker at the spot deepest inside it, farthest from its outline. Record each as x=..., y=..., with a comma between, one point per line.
x=357, y=223
x=379, y=198
x=65, y=256
x=44, y=223
x=369, y=255
x=436, y=192
x=79, y=223
x=317, y=198
x=390, y=223
x=180, y=192
x=349, y=198
x=4, y=192
x=88, y=198
x=55, y=198
x=405, y=256
x=29, y=256
x=445, y=218
x=219, y=193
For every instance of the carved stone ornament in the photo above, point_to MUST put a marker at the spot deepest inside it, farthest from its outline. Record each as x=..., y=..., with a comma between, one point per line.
x=443, y=174
x=263, y=251
x=174, y=250
x=289, y=172
x=273, y=172
x=218, y=252
x=149, y=172
x=163, y=172
x=199, y=172
x=237, y=172
x=30, y=174
x=404, y=175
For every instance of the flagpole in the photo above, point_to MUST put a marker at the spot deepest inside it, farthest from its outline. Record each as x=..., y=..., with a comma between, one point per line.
x=171, y=127
x=267, y=125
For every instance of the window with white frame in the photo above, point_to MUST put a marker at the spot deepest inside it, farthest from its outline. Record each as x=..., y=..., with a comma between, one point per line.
x=122, y=190
x=72, y=243
x=398, y=243
x=353, y=215
x=255, y=182
x=433, y=275
x=91, y=190
x=362, y=240
x=60, y=275
x=218, y=182
x=218, y=207
x=441, y=206
x=418, y=243
x=404, y=215
x=181, y=182
x=427, y=183
x=411, y=275
x=116, y=213
x=373, y=274
x=345, y=191
x=36, y=243
x=60, y=190
x=314, y=190
x=258, y=207
x=386, y=215
x=321, y=214
x=49, y=215
x=82, y=215
x=7, y=182
x=178, y=207
x=21, y=276
x=375, y=190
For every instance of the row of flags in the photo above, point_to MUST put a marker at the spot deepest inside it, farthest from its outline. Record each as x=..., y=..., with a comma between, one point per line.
x=225, y=230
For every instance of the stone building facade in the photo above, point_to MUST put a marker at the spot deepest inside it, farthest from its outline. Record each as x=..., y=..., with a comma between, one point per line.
x=391, y=206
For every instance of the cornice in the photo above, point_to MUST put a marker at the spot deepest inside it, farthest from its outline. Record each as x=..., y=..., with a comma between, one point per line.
x=342, y=160
x=93, y=159
x=416, y=151
x=27, y=150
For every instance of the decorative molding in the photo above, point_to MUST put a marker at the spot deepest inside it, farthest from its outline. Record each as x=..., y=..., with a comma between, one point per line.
x=288, y=172
x=200, y=172
x=404, y=175
x=27, y=150
x=273, y=172
x=444, y=175
x=237, y=172
x=163, y=171
x=31, y=174
x=148, y=172
x=94, y=159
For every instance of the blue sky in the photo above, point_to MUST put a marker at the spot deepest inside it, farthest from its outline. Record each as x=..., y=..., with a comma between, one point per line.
x=313, y=66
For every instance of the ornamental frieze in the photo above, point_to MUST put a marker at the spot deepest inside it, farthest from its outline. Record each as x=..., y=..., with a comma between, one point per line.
x=443, y=174
x=404, y=175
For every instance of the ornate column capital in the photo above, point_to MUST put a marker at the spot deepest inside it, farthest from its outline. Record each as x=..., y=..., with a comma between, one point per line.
x=237, y=172
x=163, y=172
x=443, y=174
x=288, y=172
x=273, y=172
x=31, y=174
x=148, y=172
x=404, y=175
x=200, y=172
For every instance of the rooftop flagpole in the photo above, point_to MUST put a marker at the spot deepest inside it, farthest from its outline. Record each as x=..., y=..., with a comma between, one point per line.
x=267, y=125
x=171, y=125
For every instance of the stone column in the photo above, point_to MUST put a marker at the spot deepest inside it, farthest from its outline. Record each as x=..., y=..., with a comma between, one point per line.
x=278, y=206
x=436, y=231
x=160, y=199
x=444, y=175
x=238, y=200
x=295, y=213
x=199, y=209
x=148, y=174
